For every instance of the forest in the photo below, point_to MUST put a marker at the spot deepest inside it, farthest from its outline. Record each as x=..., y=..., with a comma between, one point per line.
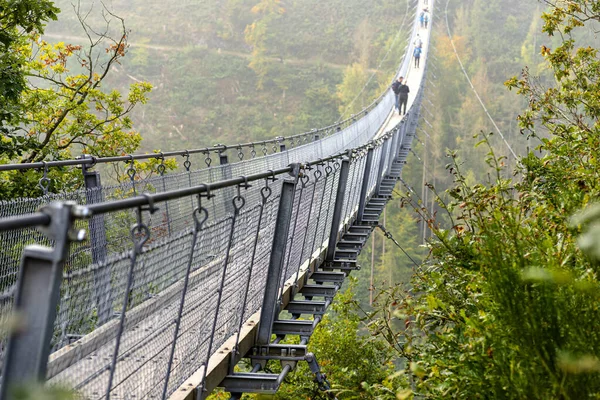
x=491, y=290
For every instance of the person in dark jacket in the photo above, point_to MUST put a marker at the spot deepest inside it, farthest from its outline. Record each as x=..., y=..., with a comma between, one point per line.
x=403, y=92
x=396, y=89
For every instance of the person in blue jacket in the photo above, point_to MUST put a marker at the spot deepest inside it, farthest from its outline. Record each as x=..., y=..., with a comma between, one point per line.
x=417, y=55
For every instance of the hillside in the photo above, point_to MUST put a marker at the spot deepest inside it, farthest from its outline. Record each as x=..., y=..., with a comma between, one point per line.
x=210, y=85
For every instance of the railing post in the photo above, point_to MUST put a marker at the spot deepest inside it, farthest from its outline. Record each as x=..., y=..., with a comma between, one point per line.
x=281, y=144
x=223, y=159
x=98, y=242
x=382, y=163
x=401, y=136
x=338, y=208
x=393, y=148
x=316, y=136
x=276, y=261
x=225, y=175
x=36, y=301
x=365, y=184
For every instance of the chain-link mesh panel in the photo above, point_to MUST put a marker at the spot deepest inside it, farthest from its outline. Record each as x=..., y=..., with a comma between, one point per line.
x=153, y=297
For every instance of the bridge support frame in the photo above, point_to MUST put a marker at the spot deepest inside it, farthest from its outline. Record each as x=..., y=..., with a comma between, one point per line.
x=98, y=243
x=338, y=208
x=365, y=185
x=36, y=301
x=270, y=306
x=382, y=163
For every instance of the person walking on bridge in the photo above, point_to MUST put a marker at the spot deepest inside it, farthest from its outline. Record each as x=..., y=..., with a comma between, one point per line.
x=418, y=42
x=403, y=92
x=396, y=89
x=417, y=54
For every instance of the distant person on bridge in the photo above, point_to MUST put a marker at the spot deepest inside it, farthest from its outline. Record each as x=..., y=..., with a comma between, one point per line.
x=417, y=54
x=422, y=19
x=425, y=20
x=418, y=42
x=396, y=89
x=403, y=92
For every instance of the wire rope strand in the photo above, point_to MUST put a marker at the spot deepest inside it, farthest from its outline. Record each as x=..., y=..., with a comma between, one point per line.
x=462, y=67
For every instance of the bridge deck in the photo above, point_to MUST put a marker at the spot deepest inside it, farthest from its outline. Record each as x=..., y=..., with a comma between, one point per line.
x=414, y=77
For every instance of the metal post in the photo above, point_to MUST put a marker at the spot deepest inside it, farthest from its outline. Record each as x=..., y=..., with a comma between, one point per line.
x=276, y=261
x=393, y=147
x=223, y=159
x=402, y=135
x=226, y=174
x=98, y=243
x=371, y=285
x=281, y=144
x=36, y=301
x=365, y=184
x=338, y=208
x=382, y=164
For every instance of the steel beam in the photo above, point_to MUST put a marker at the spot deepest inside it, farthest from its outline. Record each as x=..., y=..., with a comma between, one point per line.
x=338, y=208
x=319, y=291
x=276, y=262
x=98, y=243
x=284, y=352
x=255, y=382
x=306, y=307
x=329, y=277
x=382, y=164
x=293, y=327
x=365, y=184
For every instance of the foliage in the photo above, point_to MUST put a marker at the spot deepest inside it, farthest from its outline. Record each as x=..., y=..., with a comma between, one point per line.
x=257, y=34
x=39, y=392
x=355, y=78
x=66, y=108
x=18, y=18
x=507, y=304
x=356, y=366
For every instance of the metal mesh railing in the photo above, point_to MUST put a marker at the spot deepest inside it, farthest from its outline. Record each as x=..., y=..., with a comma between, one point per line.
x=225, y=241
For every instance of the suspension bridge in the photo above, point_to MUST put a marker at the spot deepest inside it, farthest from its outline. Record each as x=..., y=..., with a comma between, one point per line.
x=156, y=288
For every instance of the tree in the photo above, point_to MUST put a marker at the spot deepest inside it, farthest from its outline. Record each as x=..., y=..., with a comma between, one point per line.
x=18, y=18
x=257, y=33
x=351, y=88
x=66, y=108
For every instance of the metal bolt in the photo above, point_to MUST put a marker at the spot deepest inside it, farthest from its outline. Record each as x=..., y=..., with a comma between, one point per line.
x=81, y=212
x=78, y=235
